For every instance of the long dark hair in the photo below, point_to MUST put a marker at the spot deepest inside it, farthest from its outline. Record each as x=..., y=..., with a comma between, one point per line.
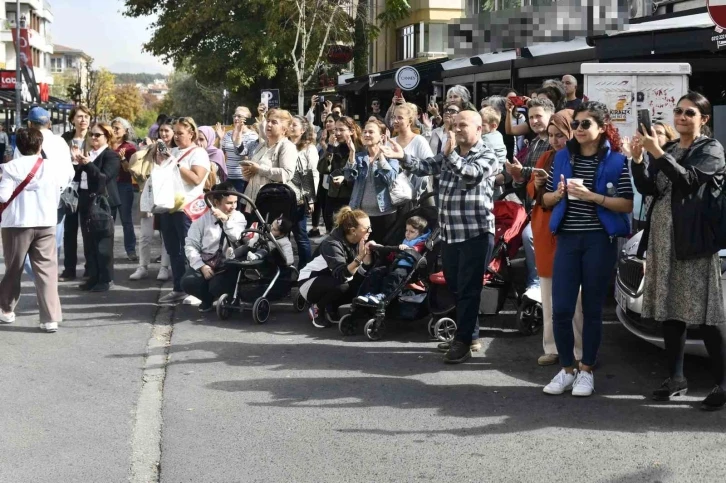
x=600, y=113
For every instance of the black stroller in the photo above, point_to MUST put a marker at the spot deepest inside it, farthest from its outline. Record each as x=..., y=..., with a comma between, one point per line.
x=409, y=300
x=263, y=280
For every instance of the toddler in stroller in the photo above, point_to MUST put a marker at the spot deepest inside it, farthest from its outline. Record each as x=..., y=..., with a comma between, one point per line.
x=254, y=249
x=384, y=280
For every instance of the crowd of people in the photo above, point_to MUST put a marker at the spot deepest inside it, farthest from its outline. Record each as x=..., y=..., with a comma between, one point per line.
x=561, y=157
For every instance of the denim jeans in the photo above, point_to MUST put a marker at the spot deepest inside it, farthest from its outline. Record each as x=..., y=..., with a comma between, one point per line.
x=239, y=184
x=464, y=266
x=174, y=228
x=582, y=260
x=528, y=243
x=300, y=232
x=126, y=192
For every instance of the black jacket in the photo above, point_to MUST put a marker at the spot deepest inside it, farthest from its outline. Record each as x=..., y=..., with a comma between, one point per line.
x=690, y=178
x=337, y=158
x=102, y=173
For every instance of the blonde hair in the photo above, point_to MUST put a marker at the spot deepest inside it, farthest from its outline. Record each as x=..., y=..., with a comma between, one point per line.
x=188, y=123
x=490, y=115
x=243, y=111
x=281, y=115
x=411, y=110
x=347, y=218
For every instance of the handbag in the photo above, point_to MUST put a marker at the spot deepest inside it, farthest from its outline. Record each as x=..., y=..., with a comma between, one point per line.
x=216, y=260
x=99, y=219
x=21, y=186
x=401, y=190
x=304, y=183
x=714, y=210
x=69, y=199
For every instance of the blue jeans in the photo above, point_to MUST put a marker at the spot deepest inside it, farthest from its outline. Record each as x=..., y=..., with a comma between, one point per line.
x=584, y=260
x=126, y=192
x=528, y=244
x=59, y=230
x=464, y=267
x=239, y=184
x=174, y=228
x=300, y=232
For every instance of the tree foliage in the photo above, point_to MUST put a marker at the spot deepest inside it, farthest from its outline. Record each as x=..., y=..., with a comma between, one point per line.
x=100, y=94
x=127, y=102
x=188, y=97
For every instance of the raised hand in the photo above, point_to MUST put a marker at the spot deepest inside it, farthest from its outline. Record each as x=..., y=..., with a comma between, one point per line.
x=650, y=142
x=393, y=150
x=426, y=120
x=636, y=149
x=450, y=144
x=561, y=187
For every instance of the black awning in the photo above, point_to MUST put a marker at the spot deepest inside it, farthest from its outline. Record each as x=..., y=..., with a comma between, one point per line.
x=654, y=43
x=384, y=85
x=355, y=87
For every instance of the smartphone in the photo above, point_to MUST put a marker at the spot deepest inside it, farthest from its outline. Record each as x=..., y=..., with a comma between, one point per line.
x=432, y=99
x=398, y=93
x=540, y=172
x=321, y=100
x=250, y=122
x=644, y=119
x=161, y=147
x=518, y=101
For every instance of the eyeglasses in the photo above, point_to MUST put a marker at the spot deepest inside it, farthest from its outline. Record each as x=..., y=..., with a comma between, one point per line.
x=585, y=124
x=451, y=111
x=97, y=135
x=238, y=116
x=688, y=112
x=367, y=228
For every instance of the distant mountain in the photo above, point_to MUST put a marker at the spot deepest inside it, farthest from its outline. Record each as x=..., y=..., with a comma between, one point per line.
x=143, y=78
x=148, y=68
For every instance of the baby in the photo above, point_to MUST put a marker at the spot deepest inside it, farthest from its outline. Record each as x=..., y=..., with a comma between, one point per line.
x=382, y=281
x=280, y=229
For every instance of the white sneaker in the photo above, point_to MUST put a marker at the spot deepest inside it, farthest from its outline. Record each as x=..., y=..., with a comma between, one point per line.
x=562, y=382
x=192, y=300
x=173, y=298
x=534, y=294
x=8, y=317
x=584, y=384
x=141, y=272
x=163, y=274
x=49, y=326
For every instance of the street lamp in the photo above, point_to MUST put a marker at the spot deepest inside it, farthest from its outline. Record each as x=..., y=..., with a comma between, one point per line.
x=18, y=81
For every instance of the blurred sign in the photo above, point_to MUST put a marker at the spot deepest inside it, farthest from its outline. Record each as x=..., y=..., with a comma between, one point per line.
x=271, y=98
x=717, y=11
x=407, y=78
x=7, y=80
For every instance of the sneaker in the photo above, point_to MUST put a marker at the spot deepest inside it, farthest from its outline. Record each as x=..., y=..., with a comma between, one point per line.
x=192, y=300
x=376, y=299
x=314, y=233
x=670, y=388
x=445, y=346
x=584, y=384
x=133, y=257
x=7, y=317
x=66, y=277
x=715, y=400
x=562, y=382
x=548, y=359
x=163, y=274
x=204, y=308
x=141, y=272
x=458, y=352
x=172, y=298
x=49, y=327
x=86, y=286
x=533, y=293
x=318, y=321
x=362, y=299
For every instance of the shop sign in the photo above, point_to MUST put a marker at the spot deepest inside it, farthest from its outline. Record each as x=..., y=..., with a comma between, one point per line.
x=407, y=78
x=717, y=11
x=718, y=39
x=271, y=98
x=7, y=80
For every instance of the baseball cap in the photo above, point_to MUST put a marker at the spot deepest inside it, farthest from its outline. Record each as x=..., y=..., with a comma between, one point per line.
x=38, y=115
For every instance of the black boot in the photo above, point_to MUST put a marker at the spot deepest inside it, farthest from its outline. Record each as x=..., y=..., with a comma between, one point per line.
x=670, y=388
x=715, y=400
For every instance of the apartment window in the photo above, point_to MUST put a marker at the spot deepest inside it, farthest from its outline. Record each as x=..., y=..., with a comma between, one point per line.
x=407, y=42
x=56, y=64
x=435, y=37
x=70, y=62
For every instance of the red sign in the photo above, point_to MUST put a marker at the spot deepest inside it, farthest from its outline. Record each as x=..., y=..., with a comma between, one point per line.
x=7, y=80
x=717, y=10
x=26, y=56
x=44, y=92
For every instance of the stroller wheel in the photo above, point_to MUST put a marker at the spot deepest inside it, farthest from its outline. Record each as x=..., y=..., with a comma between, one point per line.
x=299, y=302
x=529, y=318
x=223, y=311
x=445, y=329
x=348, y=326
x=432, y=327
x=261, y=310
x=375, y=330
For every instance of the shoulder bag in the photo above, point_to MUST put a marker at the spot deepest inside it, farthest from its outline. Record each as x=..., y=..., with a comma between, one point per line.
x=21, y=186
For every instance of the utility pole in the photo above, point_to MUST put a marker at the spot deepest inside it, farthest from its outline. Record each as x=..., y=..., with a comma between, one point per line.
x=18, y=80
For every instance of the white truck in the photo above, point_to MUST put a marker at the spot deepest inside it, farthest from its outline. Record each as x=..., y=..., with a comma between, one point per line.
x=625, y=88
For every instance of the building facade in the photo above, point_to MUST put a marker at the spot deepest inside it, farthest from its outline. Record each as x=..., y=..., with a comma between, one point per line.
x=37, y=17
x=69, y=66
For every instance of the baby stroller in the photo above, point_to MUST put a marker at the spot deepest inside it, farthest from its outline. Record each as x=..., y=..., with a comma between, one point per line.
x=408, y=300
x=502, y=276
x=267, y=279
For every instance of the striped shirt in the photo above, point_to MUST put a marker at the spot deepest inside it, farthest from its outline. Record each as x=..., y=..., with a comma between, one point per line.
x=234, y=170
x=580, y=215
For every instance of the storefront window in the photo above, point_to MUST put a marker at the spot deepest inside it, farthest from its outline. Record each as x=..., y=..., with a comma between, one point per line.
x=435, y=38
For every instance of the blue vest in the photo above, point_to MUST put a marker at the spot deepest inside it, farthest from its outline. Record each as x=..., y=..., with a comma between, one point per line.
x=608, y=171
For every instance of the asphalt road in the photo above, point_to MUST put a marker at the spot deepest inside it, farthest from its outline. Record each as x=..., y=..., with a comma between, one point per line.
x=285, y=402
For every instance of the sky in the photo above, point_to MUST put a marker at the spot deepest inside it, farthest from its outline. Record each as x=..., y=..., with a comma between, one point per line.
x=98, y=28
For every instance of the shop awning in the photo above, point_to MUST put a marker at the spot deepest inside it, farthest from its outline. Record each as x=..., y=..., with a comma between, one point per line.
x=355, y=86
x=482, y=59
x=694, y=21
x=549, y=48
x=384, y=85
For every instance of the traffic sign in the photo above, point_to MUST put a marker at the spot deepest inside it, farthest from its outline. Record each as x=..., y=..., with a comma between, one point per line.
x=717, y=10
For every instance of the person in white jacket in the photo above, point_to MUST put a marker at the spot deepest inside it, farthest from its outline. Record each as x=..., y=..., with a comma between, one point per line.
x=28, y=226
x=205, y=248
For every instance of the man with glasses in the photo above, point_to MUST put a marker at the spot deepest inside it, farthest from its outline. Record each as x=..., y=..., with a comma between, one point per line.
x=573, y=102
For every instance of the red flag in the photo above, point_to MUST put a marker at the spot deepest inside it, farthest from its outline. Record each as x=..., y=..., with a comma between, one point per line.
x=26, y=56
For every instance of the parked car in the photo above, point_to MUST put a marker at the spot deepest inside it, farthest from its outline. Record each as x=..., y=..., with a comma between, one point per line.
x=629, y=298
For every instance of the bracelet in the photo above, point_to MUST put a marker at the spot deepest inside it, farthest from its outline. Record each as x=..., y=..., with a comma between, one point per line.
x=603, y=201
x=358, y=261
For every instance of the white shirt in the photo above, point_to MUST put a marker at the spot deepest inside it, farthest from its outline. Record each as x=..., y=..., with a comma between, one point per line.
x=92, y=155
x=204, y=235
x=54, y=147
x=37, y=204
x=198, y=157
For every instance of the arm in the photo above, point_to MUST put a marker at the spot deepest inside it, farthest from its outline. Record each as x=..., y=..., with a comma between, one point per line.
x=110, y=167
x=386, y=170
x=350, y=171
x=246, y=148
x=475, y=169
x=193, y=176
x=704, y=164
x=235, y=225
x=193, y=243
x=337, y=262
x=422, y=167
x=313, y=159
x=310, y=115
x=286, y=163
x=644, y=183
x=7, y=186
x=518, y=130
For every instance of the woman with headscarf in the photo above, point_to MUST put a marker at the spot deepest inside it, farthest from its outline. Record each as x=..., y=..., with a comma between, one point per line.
x=123, y=134
x=559, y=132
x=205, y=140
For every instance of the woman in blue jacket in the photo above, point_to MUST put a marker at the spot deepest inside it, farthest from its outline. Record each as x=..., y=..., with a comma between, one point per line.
x=590, y=207
x=372, y=176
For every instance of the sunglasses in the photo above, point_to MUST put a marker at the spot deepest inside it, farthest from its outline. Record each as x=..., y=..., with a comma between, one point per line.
x=97, y=134
x=688, y=112
x=586, y=124
x=451, y=111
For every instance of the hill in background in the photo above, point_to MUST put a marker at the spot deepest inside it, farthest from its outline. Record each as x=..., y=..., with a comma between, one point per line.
x=142, y=78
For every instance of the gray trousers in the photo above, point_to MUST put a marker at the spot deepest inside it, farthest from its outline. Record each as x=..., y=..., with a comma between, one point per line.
x=39, y=244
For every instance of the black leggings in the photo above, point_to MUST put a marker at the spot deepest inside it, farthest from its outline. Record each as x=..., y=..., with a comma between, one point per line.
x=320, y=198
x=714, y=338
x=325, y=291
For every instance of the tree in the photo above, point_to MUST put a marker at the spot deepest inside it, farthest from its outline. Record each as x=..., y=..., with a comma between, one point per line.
x=99, y=92
x=127, y=102
x=187, y=97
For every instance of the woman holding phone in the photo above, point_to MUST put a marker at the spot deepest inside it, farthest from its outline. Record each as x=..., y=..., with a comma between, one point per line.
x=326, y=138
x=238, y=145
x=347, y=134
x=372, y=176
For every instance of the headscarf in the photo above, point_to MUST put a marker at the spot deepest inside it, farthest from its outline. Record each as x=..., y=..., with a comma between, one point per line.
x=216, y=155
x=562, y=120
